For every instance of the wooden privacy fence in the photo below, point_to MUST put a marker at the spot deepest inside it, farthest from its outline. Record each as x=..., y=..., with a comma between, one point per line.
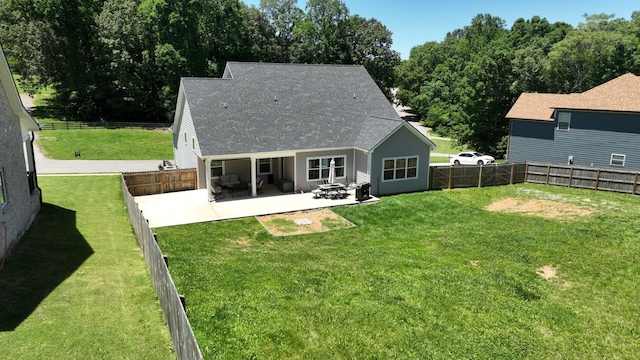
x=585, y=177
x=159, y=182
x=184, y=341
x=450, y=177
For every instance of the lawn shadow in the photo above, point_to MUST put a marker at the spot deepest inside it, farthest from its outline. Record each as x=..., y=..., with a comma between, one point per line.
x=49, y=252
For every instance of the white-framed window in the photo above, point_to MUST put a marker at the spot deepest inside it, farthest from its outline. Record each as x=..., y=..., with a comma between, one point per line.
x=618, y=159
x=318, y=167
x=193, y=143
x=564, y=121
x=216, y=168
x=400, y=168
x=264, y=166
x=3, y=190
x=185, y=137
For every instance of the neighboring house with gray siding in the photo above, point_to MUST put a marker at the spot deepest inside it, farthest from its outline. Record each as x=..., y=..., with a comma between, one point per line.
x=285, y=122
x=599, y=127
x=20, y=198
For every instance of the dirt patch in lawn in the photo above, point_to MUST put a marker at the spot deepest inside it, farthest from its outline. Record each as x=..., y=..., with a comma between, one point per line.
x=303, y=222
x=548, y=272
x=543, y=208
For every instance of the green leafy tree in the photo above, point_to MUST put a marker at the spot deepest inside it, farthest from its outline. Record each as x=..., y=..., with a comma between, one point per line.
x=322, y=36
x=284, y=16
x=585, y=59
x=64, y=32
x=371, y=47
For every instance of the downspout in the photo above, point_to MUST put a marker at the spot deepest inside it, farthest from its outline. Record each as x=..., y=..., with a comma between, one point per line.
x=32, y=160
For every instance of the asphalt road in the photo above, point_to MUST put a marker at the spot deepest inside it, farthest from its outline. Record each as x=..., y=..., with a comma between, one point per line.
x=47, y=166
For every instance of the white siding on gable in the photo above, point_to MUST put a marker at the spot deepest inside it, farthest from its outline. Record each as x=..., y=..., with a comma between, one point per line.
x=186, y=156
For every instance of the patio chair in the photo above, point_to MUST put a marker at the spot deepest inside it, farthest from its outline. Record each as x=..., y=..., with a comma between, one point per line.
x=259, y=186
x=216, y=191
x=342, y=193
x=317, y=193
x=333, y=194
x=350, y=185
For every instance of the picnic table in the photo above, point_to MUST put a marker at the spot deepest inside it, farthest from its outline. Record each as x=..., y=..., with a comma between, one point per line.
x=333, y=191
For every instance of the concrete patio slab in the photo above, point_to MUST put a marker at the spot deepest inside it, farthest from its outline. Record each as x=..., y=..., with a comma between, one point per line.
x=187, y=207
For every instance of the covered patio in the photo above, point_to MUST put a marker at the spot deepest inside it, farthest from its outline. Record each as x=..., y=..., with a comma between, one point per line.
x=187, y=207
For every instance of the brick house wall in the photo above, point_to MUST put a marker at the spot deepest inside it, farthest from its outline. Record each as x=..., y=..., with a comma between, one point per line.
x=21, y=204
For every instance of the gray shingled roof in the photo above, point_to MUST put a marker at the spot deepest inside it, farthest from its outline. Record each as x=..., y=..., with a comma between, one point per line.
x=282, y=107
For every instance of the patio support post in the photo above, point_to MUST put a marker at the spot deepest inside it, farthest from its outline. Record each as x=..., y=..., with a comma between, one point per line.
x=254, y=191
x=207, y=172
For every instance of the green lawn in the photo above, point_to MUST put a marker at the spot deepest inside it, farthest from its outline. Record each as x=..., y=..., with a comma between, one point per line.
x=77, y=286
x=107, y=144
x=438, y=159
x=427, y=275
x=446, y=147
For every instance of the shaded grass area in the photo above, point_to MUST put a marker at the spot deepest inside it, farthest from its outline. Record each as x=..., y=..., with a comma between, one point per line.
x=107, y=144
x=76, y=285
x=425, y=275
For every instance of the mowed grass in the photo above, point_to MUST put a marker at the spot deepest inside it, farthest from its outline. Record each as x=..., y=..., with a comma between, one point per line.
x=438, y=160
x=107, y=144
x=76, y=285
x=429, y=275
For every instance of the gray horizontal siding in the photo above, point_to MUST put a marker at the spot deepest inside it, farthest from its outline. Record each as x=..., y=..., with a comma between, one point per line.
x=301, y=166
x=591, y=139
x=402, y=143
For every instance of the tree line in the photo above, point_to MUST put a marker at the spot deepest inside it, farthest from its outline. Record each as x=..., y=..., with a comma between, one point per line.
x=464, y=86
x=121, y=60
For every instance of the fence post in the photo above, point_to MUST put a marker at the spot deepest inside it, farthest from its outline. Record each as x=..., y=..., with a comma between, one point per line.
x=512, y=174
x=570, y=176
x=480, y=176
x=450, y=185
x=546, y=182
x=597, y=179
x=430, y=177
x=635, y=184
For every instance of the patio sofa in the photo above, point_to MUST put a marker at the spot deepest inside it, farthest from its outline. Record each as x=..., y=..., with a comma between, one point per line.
x=229, y=180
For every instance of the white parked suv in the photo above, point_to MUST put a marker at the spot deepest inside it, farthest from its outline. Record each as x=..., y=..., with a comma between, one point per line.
x=471, y=158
